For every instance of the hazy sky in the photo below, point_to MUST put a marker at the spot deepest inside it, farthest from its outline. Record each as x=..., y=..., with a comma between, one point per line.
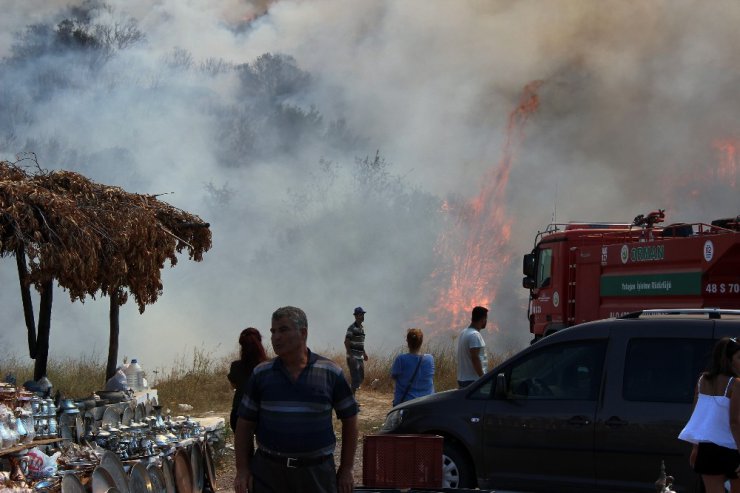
x=638, y=111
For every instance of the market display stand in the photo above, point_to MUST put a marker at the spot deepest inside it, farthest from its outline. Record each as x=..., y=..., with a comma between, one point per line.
x=18, y=448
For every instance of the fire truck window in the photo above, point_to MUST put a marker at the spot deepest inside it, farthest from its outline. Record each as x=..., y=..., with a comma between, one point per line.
x=664, y=370
x=544, y=268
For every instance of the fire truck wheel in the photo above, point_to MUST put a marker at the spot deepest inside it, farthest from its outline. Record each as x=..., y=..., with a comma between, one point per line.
x=456, y=469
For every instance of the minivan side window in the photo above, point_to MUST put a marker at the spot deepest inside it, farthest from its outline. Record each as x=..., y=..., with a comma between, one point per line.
x=664, y=370
x=568, y=371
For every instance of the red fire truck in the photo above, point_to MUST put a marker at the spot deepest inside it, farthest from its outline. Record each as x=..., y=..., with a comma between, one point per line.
x=588, y=271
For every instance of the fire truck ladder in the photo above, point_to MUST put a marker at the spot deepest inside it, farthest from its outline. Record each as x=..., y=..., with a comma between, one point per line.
x=570, y=310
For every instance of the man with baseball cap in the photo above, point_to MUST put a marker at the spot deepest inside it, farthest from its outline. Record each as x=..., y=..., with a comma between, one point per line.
x=354, y=342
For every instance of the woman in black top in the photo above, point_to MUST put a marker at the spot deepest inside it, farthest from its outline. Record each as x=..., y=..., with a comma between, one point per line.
x=251, y=354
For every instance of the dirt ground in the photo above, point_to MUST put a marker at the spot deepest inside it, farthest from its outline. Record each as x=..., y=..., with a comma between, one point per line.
x=373, y=408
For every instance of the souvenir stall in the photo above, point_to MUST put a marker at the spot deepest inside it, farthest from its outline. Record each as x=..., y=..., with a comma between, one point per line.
x=111, y=442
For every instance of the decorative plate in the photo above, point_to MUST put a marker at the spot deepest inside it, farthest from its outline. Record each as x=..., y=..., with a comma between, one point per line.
x=139, y=480
x=71, y=426
x=112, y=464
x=128, y=416
x=102, y=480
x=169, y=479
x=182, y=471
x=111, y=417
x=197, y=466
x=72, y=484
x=156, y=476
x=210, y=468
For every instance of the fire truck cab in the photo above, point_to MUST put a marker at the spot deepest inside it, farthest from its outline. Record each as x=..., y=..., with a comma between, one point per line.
x=578, y=272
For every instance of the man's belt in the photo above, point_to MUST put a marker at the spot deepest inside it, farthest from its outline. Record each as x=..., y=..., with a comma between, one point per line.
x=293, y=462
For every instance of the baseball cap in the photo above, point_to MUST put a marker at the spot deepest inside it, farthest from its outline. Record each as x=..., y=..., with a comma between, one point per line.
x=359, y=310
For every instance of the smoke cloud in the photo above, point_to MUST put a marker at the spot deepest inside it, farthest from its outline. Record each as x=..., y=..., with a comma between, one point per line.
x=321, y=139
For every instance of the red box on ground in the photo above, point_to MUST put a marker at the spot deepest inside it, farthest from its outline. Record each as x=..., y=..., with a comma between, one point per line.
x=402, y=461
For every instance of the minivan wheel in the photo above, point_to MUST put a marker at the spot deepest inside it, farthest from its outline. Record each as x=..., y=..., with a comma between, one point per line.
x=456, y=470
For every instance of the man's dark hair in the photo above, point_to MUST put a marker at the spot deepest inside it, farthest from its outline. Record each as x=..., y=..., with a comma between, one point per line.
x=479, y=312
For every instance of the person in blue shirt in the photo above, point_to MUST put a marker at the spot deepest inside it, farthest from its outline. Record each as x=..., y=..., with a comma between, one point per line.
x=413, y=372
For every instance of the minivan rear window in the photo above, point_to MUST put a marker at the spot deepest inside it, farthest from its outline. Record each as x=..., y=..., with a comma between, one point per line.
x=664, y=370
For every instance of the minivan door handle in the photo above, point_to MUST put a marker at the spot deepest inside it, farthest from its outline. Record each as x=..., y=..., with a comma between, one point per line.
x=579, y=421
x=615, y=422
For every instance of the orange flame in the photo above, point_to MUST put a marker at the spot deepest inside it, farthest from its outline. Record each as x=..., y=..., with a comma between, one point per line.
x=717, y=179
x=727, y=170
x=475, y=251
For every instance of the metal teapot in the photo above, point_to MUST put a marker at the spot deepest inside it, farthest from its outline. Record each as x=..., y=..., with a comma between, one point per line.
x=20, y=427
x=5, y=437
x=53, y=426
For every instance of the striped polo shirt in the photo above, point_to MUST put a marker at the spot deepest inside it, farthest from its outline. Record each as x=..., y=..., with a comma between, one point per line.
x=356, y=336
x=295, y=418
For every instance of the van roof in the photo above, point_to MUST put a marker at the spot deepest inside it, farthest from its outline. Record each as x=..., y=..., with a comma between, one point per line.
x=696, y=313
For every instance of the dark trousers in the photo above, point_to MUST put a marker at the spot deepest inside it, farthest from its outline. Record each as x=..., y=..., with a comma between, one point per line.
x=271, y=477
x=356, y=372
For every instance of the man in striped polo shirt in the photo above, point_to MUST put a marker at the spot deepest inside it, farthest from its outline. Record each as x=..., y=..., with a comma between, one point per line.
x=288, y=406
x=354, y=343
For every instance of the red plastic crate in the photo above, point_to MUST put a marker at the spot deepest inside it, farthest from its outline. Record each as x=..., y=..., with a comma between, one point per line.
x=402, y=461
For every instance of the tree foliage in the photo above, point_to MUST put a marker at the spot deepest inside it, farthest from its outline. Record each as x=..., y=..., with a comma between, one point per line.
x=91, y=237
x=268, y=118
x=75, y=35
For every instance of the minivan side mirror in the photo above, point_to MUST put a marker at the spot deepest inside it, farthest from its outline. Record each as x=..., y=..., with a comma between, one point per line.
x=528, y=265
x=501, y=391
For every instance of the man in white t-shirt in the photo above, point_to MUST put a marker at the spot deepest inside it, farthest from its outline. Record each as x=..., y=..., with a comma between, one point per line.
x=472, y=362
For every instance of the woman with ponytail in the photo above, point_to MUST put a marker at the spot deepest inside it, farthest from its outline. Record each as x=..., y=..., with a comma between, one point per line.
x=413, y=372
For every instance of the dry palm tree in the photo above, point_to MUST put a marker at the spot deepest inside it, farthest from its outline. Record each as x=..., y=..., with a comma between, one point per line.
x=89, y=238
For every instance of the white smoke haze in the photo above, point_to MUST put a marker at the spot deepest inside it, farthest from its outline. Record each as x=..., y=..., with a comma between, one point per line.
x=264, y=118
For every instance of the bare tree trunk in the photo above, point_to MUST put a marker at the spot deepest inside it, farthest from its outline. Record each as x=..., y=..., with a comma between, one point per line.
x=42, y=343
x=114, y=330
x=20, y=260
